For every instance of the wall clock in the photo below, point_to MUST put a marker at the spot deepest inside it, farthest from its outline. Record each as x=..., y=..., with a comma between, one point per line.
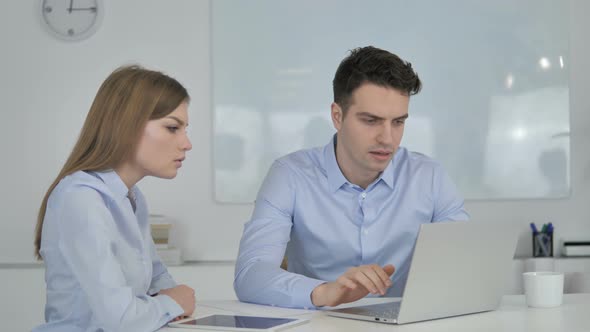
x=72, y=20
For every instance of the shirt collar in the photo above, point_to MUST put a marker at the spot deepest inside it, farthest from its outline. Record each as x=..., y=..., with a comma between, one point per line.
x=335, y=177
x=387, y=174
x=114, y=183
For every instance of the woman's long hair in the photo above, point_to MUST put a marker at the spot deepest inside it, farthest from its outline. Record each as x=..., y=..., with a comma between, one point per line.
x=124, y=103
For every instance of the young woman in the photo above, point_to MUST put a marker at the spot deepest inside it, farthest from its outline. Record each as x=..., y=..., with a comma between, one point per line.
x=102, y=270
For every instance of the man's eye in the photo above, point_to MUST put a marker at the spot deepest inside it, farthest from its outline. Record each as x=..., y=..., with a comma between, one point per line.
x=370, y=121
x=172, y=129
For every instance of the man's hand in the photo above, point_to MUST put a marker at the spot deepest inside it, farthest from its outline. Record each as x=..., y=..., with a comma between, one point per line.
x=353, y=285
x=184, y=296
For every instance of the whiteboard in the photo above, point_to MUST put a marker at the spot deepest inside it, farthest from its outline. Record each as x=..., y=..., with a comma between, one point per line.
x=494, y=109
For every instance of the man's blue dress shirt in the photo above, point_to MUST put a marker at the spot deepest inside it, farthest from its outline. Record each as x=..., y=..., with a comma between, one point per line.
x=101, y=266
x=327, y=224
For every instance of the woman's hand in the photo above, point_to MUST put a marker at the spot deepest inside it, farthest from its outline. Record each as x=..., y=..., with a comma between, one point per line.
x=184, y=296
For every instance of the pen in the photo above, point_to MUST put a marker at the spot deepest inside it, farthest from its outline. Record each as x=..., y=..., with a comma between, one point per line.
x=534, y=228
x=544, y=228
x=542, y=245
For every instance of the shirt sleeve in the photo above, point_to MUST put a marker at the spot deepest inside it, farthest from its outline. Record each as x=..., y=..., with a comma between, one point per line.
x=161, y=279
x=86, y=228
x=448, y=204
x=258, y=277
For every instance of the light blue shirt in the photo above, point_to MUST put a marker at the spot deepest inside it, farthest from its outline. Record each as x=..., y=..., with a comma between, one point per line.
x=101, y=266
x=327, y=224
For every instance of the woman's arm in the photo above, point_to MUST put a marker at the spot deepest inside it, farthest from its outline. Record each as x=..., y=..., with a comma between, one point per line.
x=87, y=229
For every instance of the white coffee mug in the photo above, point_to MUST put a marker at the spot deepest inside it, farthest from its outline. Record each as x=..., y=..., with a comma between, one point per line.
x=543, y=289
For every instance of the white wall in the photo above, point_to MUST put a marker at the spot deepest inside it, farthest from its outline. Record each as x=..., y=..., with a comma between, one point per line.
x=46, y=87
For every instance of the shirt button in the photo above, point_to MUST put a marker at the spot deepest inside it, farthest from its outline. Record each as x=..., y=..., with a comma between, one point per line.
x=363, y=195
x=365, y=231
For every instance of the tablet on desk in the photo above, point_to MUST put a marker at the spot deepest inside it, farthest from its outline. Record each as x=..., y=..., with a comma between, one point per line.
x=238, y=323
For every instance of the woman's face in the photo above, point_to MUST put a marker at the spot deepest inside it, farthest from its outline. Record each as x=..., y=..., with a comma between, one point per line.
x=163, y=146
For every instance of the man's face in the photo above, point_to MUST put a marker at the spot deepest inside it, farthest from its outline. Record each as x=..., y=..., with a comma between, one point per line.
x=370, y=133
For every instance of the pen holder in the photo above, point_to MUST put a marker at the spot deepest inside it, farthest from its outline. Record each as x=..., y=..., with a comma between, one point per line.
x=543, y=245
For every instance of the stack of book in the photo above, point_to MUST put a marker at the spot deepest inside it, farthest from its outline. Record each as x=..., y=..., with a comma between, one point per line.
x=160, y=229
x=575, y=248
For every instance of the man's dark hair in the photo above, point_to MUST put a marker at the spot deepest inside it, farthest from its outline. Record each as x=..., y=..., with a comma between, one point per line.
x=373, y=65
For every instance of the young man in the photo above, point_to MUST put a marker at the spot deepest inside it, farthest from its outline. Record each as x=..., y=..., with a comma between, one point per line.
x=346, y=215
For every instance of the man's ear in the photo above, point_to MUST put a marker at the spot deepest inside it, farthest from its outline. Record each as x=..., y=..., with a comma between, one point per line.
x=337, y=116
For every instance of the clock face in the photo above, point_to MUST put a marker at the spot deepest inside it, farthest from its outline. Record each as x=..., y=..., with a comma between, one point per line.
x=72, y=19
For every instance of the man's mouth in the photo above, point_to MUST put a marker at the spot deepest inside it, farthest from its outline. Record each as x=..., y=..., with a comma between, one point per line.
x=381, y=152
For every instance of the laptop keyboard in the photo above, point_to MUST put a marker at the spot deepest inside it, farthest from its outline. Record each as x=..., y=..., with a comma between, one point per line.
x=382, y=310
x=390, y=311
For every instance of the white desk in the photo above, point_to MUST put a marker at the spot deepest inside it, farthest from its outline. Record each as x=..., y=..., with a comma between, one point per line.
x=513, y=315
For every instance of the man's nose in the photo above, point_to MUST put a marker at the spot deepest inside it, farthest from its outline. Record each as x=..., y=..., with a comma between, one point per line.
x=385, y=134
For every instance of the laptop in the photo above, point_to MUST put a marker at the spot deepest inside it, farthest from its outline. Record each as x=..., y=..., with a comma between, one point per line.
x=457, y=268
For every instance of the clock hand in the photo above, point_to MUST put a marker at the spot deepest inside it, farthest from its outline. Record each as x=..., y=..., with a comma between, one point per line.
x=71, y=5
x=93, y=9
